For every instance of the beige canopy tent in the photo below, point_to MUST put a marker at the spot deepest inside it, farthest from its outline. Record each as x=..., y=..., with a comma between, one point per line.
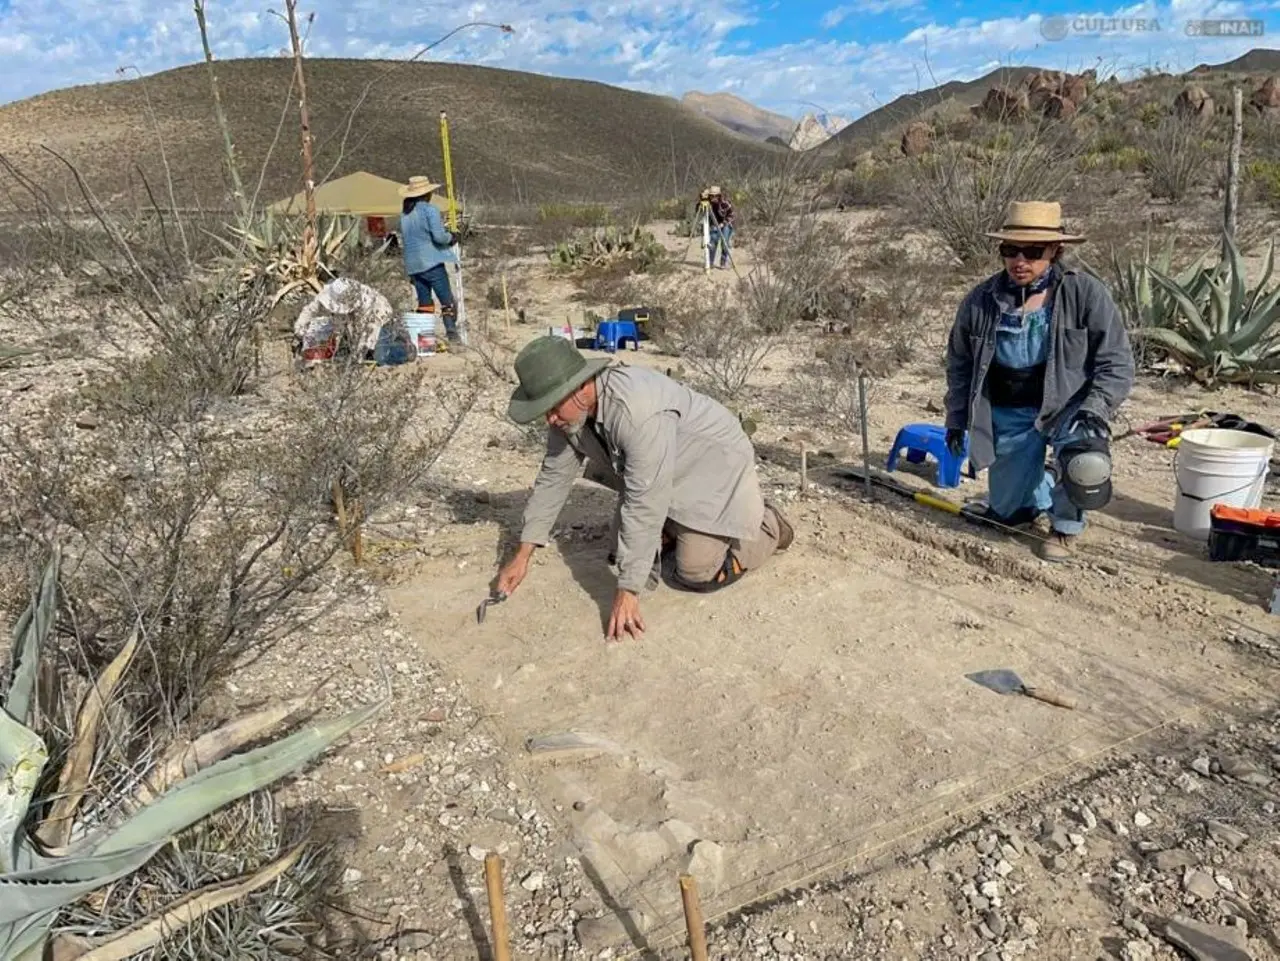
x=359, y=194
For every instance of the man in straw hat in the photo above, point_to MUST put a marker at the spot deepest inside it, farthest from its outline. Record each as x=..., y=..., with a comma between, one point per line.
x=427, y=246
x=681, y=463
x=1038, y=359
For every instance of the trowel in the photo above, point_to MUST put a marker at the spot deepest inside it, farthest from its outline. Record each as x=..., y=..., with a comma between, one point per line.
x=1004, y=681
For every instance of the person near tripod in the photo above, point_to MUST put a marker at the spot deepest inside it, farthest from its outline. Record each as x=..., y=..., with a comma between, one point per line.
x=721, y=224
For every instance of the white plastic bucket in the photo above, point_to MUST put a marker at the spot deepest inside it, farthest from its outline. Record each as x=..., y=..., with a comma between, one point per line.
x=422, y=330
x=1215, y=466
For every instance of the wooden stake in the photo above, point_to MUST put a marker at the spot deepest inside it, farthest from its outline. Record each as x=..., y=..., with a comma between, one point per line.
x=506, y=305
x=339, y=508
x=693, y=918
x=804, y=468
x=357, y=542
x=862, y=416
x=497, y=907
x=1233, y=161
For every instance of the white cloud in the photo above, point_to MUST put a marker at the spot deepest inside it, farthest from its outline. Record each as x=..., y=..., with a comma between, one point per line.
x=659, y=46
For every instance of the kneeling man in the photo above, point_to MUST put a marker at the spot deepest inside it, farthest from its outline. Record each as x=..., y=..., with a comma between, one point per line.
x=682, y=464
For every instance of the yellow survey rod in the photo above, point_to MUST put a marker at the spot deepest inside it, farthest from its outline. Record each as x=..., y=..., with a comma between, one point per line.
x=448, y=172
x=923, y=498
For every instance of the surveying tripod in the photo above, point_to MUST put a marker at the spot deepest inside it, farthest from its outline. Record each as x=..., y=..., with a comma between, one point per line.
x=702, y=221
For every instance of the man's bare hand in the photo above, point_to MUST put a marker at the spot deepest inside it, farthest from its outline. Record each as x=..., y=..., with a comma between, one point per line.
x=625, y=617
x=514, y=571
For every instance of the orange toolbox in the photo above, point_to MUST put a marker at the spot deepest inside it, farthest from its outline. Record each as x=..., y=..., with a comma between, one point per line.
x=1239, y=534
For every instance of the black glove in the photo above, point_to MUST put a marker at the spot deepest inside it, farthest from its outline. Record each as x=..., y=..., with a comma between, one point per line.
x=955, y=441
x=1090, y=423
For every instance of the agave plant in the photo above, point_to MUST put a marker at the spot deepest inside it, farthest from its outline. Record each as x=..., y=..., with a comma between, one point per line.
x=274, y=252
x=1142, y=304
x=1222, y=331
x=49, y=858
x=604, y=245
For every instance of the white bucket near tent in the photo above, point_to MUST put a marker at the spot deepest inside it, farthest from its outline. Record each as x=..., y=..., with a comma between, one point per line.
x=1215, y=466
x=422, y=330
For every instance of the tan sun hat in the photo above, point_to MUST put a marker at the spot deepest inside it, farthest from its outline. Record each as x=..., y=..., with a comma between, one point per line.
x=419, y=187
x=1035, y=221
x=714, y=191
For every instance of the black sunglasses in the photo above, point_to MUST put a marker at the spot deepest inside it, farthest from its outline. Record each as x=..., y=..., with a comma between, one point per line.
x=1029, y=251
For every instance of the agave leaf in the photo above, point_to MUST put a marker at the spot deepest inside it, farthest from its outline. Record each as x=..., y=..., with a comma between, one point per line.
x=23, y=756
x=1188, y=308
x=1265, y=316
x=1220, y=316
x=29, y=635
x=1231, y=256
x=25, y=940
x=1266, y=276
x=74, y=779
x=1178, y=346
x=187, y=757
x=57, y=883
x=228, y=780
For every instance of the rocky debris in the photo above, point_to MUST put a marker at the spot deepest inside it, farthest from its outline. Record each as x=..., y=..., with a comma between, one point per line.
x=1047, y=93
x=917, y=138
x=1208, y=942
x=1194, y=101
x=1267, y=97
x=1002, y=105
x=815, y=129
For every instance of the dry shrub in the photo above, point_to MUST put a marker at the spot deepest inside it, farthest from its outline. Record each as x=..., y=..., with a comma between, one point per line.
x=1175, y=156
x=963, y=189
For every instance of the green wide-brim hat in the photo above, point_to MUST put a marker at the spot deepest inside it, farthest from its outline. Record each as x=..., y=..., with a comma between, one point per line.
x=549, y=370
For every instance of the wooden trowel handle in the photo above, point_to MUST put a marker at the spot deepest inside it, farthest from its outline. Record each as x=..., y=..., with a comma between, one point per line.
x=1050, y=697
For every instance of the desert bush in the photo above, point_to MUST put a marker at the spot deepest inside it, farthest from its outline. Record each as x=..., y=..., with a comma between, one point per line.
x=1175, y=157
x=575, y=215
x=826, y=386
x=1223, y=331
x=1263, y=176
x=720, y=337
x=768, y=192
x=962, y=191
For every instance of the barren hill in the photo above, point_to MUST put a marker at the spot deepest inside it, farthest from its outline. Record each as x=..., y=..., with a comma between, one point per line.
x=740, y=115
x=515, y=136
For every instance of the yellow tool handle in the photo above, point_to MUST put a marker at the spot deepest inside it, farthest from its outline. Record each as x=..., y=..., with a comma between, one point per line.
x=942, y=504
x=1050, y=697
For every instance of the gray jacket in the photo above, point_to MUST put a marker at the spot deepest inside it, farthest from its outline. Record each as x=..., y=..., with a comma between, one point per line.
x=1090, y=361
x=680, y=455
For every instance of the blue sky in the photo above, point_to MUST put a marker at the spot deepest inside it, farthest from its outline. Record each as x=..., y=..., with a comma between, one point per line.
x=845, y=56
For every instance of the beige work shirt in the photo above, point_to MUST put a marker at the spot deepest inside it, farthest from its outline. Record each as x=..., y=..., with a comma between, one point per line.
x=680, y=455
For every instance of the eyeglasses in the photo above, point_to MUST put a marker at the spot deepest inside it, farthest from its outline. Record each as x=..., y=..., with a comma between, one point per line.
x=1029, y=251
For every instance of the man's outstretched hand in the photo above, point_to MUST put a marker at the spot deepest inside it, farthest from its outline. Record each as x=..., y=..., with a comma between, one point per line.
x=625, y=617
x=514, y=571
x=955, y=441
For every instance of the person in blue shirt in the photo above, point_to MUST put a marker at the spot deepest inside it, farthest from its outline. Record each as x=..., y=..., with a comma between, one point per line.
x=427, y=247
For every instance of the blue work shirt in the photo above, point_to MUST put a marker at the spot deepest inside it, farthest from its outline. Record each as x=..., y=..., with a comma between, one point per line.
x=424, y=240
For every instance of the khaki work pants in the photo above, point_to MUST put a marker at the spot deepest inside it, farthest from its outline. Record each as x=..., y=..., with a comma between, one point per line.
x=699, y=557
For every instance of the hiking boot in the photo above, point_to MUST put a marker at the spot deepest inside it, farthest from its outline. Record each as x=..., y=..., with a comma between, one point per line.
x=1057, y=547
x=786, y=533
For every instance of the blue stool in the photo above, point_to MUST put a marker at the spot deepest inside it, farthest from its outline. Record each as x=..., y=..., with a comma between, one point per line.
x=921, y=439
x=612, y=334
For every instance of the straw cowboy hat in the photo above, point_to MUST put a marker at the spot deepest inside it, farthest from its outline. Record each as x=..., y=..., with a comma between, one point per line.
x=549, y=370
x=1035, y=221
x=713, y=191
x=419, y=187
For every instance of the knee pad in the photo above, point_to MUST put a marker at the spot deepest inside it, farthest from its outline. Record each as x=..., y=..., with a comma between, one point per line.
x=1086, y=472
x=729, y=572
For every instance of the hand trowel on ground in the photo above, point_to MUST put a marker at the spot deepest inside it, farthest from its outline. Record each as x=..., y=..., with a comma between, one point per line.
x=1004, y=681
